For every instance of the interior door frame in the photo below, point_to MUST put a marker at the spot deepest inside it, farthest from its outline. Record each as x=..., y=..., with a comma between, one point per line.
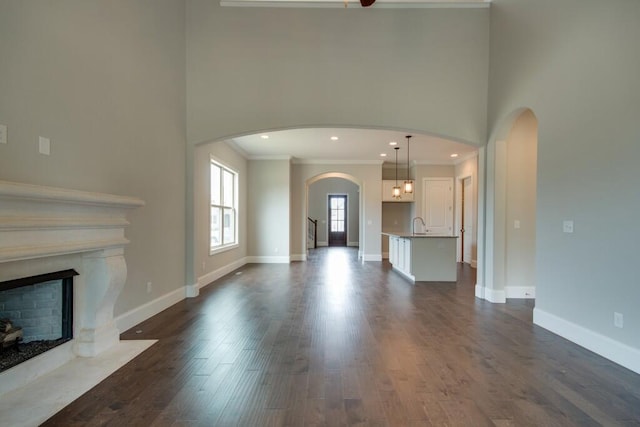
x=459, y=184
x=346, y=219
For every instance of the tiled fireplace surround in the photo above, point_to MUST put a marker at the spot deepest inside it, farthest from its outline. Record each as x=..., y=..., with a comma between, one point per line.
x=46, y=229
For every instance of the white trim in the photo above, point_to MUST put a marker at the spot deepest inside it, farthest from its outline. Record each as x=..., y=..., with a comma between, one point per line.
x=286, y=157
x=192, y=290
x=405, y=4
x=468, y=156
x=491, y=295
x=15, y=190
x=224, y=248
x=404, y=274
x=479, y=291
x=353, y=244
x=214, y=275
x=474, y=263
x=620, y=353
x=268, y=259
x=298, y=257
x=139, y=314
x=335, y=161
x=372, y=257
x=321, y=244
x=527, y=292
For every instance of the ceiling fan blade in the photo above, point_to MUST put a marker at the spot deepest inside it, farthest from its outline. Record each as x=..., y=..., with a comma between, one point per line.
x=367, y=3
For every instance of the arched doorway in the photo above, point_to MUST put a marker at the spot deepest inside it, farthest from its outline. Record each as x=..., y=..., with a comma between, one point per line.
x=318, y=191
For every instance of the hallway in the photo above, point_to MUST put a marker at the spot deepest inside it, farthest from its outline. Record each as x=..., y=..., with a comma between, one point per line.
x=335, y=342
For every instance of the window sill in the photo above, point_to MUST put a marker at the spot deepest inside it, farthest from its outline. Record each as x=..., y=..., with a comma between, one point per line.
x=221, y=249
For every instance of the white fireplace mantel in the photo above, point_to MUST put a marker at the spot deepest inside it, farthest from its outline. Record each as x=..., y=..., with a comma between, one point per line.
x=44, y=229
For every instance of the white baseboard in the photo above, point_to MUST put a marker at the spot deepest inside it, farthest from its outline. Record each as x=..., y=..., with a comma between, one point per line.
x=353, y=244
x=298, y=257
x=321, y=244
x=222, y=271
x=268, y=259
x=385, y=255
x=491, y=295
x=620, y=353
x=409, y=277
x=526, y=292
x=371, y=257
x=140, y=314
x=474, y=263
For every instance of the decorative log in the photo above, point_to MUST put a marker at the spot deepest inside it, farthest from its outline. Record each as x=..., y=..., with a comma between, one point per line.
x=9, y=335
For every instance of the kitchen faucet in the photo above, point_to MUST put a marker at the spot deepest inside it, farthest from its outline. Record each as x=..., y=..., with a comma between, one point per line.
x=413, y=224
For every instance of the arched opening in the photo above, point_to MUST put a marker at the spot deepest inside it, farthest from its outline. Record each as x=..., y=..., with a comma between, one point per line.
x=318, y=191
x=511, y=210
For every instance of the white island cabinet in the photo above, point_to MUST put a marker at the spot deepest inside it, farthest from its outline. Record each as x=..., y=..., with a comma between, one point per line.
x=423, y=257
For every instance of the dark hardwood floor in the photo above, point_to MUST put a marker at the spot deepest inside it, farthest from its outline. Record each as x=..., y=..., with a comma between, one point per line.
x=333, y=342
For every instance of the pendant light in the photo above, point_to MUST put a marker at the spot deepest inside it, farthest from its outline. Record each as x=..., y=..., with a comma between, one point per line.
x=408, y=184
x=396, y=189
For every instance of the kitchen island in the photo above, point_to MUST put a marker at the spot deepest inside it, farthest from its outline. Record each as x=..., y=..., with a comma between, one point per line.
x=423, y=257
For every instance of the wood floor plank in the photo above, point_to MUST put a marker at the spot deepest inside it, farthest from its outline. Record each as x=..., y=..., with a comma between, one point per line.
x=332, y=342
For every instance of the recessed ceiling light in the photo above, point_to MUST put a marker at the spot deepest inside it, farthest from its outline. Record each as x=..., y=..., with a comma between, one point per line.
x=454, y=155
x=393, y=143
x=264, y=136
x=383, y=154
x=334, y=138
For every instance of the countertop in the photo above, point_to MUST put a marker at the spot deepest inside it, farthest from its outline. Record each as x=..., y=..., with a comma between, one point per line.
x=417, y=235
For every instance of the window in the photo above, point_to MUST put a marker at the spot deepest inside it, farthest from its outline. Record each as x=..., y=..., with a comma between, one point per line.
x=224, y=207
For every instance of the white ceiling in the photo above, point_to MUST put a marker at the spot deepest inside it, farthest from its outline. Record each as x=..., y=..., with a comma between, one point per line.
x=314, y=145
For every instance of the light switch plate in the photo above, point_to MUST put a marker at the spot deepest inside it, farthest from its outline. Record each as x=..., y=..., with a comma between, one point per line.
x=516, y=223
x=44, y=145
x=3, y=134
x=567, y=226
x=618, y=320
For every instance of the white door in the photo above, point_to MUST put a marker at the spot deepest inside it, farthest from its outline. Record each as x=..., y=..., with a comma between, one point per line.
x=437, y=208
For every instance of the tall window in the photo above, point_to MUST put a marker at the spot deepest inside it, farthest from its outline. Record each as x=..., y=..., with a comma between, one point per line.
x=224, y=207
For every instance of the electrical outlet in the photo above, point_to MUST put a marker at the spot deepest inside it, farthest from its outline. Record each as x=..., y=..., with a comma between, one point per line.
x=618, y=320
x=516, y=223
x=149, y=287
x=3, y=134
x=204, y=265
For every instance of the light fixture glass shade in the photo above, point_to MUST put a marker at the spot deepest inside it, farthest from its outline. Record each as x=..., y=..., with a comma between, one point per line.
x=408, y=187
x=396, y=192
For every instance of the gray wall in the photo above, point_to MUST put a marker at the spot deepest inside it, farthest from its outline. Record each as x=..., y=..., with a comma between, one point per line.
x=269, y=211
x=318, y=207
x=575, y=64
x=105, y=81
x=251, y=69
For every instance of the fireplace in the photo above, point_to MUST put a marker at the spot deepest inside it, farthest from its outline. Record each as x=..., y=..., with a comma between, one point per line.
x=46, y=229
x=36, y=315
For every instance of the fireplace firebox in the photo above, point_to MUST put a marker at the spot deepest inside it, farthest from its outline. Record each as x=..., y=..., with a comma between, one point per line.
x=36, y=315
